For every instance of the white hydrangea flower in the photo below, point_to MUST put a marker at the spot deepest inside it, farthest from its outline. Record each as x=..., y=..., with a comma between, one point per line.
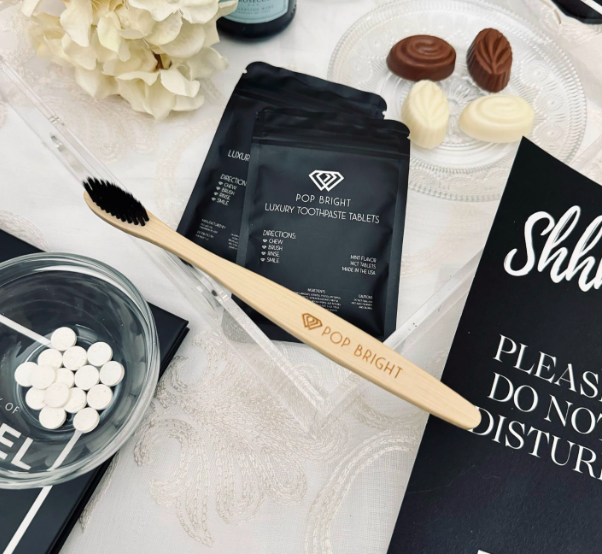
x=193, y=11
x=153, y=53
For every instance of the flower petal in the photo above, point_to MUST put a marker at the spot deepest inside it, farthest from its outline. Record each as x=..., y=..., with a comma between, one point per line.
x=135, y=23
x=205, y=64
x=226, y=8
x=29, y=6
x=102, y=54
x=211, y=35
x=110, y=37
x=134, y=92
x=199, y=14
x=185, y=104
x=95, y=83
x=76, y=19
x=188, y=43
x=159, y=9
x=166, y=31
x=140, y=60
x=53, y=50
x=147, y=76
x=159, y=101
x=80, y=56
x=175, y=82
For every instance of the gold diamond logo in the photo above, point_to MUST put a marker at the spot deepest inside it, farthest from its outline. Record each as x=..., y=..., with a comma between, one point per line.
x=311, y=322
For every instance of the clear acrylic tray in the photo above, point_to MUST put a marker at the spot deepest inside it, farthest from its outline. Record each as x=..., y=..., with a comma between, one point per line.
x=309, y=386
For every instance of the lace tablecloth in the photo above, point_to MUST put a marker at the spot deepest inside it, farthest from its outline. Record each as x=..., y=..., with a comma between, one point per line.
x=220, y=465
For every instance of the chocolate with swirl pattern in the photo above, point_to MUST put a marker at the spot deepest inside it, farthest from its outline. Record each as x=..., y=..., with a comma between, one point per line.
x=422, y=57
x=489, y=60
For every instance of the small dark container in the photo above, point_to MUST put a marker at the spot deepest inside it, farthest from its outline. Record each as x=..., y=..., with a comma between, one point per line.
x=256, y=19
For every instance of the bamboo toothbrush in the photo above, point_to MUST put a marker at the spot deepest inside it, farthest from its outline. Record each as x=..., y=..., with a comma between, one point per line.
x=327, y=333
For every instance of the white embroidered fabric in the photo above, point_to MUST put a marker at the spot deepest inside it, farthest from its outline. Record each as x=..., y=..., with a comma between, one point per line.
x=220, y=463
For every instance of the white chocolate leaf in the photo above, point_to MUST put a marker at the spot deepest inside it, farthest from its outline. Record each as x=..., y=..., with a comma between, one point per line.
x=175, y=82
x=166, y=31
x=430, y=102
x=186, y=104
x=148, y=77
x=159, y=9
x=188, y=43
x=204, y=64
x=109, y=36
x=82, y=56
x=200, y=14
x=134, y=92
x=159, y=101
x=96, y=84
x=77, y=19
x=426, y=113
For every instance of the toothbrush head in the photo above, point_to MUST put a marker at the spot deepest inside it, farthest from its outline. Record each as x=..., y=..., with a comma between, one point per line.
x=115, y=201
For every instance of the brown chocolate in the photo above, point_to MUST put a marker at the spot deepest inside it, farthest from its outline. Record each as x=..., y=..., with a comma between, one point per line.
x=489, y=60
x=422, y=57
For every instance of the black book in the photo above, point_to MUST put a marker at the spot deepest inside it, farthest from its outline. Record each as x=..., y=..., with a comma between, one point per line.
x=528, y=353
x=64, y=504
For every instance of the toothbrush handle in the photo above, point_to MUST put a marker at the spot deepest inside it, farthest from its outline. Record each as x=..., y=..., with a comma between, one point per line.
x=337, y=339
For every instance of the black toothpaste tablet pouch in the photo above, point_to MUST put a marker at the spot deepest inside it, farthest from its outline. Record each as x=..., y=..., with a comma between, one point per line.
x=212, y=216
x=324, y=213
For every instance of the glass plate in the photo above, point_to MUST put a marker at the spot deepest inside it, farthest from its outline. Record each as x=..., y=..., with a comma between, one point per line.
x=463, y=168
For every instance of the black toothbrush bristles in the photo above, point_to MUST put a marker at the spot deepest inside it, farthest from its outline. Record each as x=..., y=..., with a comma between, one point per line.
x=116, y=201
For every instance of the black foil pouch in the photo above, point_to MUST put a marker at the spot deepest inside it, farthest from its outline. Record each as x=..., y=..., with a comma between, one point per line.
x=324, y=213
x=212, y=216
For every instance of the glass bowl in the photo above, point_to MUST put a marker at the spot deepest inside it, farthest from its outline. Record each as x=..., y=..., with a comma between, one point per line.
x=463, y=168
x=38, y=294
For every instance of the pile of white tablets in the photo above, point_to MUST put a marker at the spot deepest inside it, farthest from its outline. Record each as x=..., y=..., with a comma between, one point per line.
x=66, y=380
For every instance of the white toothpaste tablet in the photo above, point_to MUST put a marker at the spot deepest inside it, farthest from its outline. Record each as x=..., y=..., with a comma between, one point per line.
x=42, y=376
x=74, y=358
x=35, y=399
x=77, y=401
x=99, y=397
x=65, y=376
x=86, y=420
x=52, y=418
x=111, y=374
x=23, y=373
x=87, y=377
x=99, y=354
x=56, y=395
x=63, y=338
x=51, y=357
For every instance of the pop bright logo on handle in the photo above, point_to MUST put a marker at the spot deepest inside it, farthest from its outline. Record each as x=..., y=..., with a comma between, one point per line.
x=311, y=322
x=325, y=180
